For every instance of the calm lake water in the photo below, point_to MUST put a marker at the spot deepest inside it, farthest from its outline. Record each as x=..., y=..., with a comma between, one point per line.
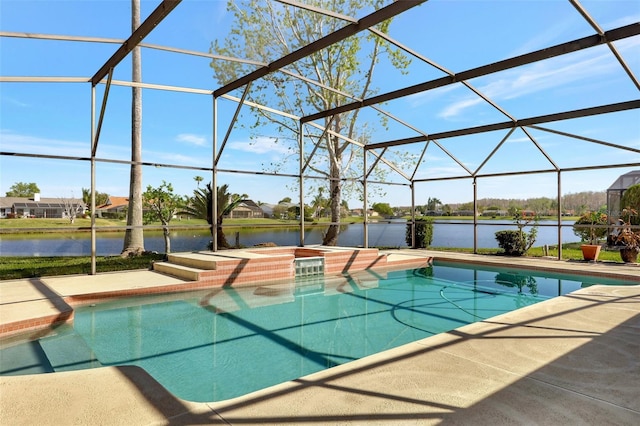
x=445, y=234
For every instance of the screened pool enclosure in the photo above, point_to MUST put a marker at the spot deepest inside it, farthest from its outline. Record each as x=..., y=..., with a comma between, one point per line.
x=439, y=98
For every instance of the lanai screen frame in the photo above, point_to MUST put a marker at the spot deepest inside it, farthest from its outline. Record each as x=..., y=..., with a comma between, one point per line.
x=353, y=26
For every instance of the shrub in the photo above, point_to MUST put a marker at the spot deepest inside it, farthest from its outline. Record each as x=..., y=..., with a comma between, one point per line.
x=424, y=232
x=517, y=243
x=512, y=242
x=588, y=227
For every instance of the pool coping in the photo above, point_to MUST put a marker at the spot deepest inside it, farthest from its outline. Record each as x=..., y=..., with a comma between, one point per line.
x=396, y=386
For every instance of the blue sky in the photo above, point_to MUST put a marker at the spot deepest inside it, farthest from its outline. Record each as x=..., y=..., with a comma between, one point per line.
x=54, y=118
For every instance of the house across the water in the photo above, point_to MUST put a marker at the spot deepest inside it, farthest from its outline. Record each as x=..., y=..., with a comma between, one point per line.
x=39, y=207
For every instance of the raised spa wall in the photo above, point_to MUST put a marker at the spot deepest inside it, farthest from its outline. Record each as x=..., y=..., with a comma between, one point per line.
x=256, y=265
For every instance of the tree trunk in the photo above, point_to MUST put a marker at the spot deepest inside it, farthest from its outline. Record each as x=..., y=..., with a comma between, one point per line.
x=167, y=240
x=335, y=197
x=222, y=239
x=134, y=237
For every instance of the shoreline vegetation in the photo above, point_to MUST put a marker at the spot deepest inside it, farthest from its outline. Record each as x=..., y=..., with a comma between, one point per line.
x=20, y=267
x=38, y=226
x=17, y=267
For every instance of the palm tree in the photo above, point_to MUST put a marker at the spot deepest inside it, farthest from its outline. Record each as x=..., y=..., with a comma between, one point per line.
x=200, y=207
x=432, y=204
x=319, y=203
x=134, y=236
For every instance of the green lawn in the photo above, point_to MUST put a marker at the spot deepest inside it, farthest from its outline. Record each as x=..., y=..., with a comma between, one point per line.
x=570, y=251
x=15, y=267
x=62, y=225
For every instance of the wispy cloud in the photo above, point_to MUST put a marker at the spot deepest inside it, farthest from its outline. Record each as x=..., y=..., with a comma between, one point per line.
x=457, y=107
x=542, y=76
x=192, y=139
x=548, y=36
x=625, y=20
x=422, y=98
x=16, y=142
x=261, y=145
x=176, y=158
x=15, y=102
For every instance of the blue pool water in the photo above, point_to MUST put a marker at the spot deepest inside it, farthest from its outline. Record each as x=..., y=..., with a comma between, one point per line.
x=221, y=343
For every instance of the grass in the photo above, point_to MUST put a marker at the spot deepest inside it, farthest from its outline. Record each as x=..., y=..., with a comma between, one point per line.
x=63, y=225
x=38, y=225
x=570, y=251
x=16, y=267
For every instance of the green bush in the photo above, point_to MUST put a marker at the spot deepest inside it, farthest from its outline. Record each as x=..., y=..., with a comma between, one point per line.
x=114, y=215
x=514, y=243
x=588, y=229
x=424, y=232
x=517, y=243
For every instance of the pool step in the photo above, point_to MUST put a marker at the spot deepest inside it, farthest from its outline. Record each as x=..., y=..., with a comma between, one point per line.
x=227, y=269
x=180, y=271
x=196, y=260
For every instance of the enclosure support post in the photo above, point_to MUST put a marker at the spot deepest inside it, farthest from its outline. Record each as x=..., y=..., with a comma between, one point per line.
x=214, y=180
x=413, y=215
x=475, y=215
x=365, y=215
x=559, y=216
x=93, y=181
x=95, y=136
x=301, y=144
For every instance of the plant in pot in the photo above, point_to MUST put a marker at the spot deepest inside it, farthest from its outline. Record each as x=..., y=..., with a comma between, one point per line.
x=591, y=227
x=626, y=237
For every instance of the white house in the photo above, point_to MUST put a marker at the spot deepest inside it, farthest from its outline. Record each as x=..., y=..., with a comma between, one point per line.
x=24, y=207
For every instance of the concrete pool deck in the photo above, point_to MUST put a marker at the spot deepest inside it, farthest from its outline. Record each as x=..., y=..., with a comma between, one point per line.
x=574, y=359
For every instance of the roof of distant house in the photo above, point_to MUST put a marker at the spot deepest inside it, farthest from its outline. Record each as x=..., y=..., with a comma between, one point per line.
x=114, y=202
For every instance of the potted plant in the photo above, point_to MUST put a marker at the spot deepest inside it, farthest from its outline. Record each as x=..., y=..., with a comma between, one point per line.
x=591, y=227
x=626, y=237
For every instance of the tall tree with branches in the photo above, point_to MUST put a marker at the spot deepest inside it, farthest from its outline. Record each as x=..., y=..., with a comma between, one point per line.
x=266, y=30
x=134, y=235
x=23, y=189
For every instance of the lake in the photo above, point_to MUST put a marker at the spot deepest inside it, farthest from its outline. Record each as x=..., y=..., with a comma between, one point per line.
x=445, y=234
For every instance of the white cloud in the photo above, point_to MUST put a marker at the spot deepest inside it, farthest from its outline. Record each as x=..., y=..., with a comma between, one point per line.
x=622, y=21
x=547, y=36
x=16, y=142
x=421, y=98
x=15, y=102
x=261, y=145
x=539, y=76
x=192, y=139
x=176, y=158
x=457, y=107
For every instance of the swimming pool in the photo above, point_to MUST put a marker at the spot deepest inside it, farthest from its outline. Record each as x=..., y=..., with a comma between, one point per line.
x=220, y=343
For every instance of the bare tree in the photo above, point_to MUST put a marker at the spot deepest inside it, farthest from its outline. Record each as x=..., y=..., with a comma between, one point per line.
x=134, y=235
x=265, y=30
x=71, y=208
